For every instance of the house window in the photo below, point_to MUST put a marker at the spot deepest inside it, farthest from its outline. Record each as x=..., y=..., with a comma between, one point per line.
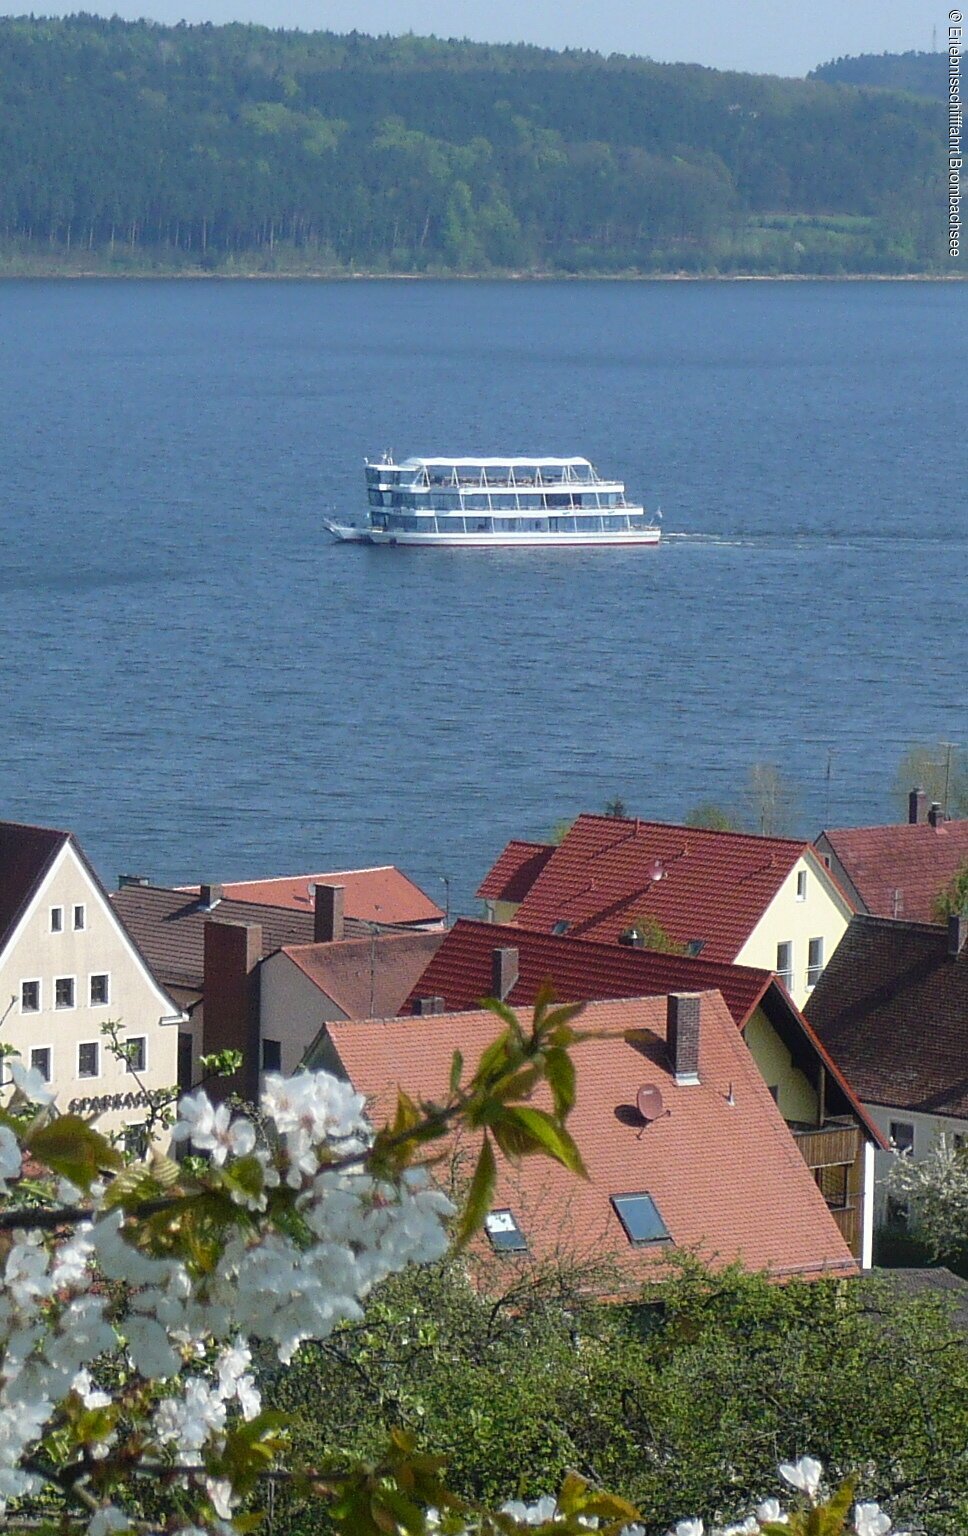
x=902, y=1137
x=29, y=996
x=80, y=918
x=64, y=992
x=136, y=1140
x=136, y=1051
x=89, y=1059
x=801, y=885
x=898, y=1213
x=505, y=1234
x=784, y=963
x=40, y=1061
x=272, y=1055
x=640, y=1217
x=56, y=919
x=832, y=1183
x=814, y=961
x=100, y=990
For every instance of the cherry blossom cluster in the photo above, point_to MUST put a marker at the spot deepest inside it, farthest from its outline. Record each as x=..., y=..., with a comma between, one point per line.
x=96, y=1293
x=805, y=1475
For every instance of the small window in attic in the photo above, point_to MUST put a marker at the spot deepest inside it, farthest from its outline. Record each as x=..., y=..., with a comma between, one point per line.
x=561, y=926
x=695, y=947
x=640, y=1217
x=505, y=1234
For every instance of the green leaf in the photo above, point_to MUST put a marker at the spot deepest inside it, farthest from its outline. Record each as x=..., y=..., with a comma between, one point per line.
x=479, y=1195
x=560, y=1072
x=72, y=1147
x=549, y=1134
x=456, y=1071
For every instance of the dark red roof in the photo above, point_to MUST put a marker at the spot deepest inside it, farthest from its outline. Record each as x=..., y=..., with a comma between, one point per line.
x=719, y=1162
x=899, y=871
x=580, y=970
x=26, y=854
x=892, y=1009
x=515, y=872
x=696, y=884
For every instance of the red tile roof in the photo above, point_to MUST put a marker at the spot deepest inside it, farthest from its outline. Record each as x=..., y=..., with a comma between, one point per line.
x=899, y=871
x=892, y=1010
x=366, y=977
x=381, y=895
x=580, y=970
x=723, y=1171
x=696, y=884
x=26, y=854
x=515, y=872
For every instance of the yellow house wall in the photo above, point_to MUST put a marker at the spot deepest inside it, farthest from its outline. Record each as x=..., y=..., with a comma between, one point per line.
x=501, y=911
x=292, y=1009
x=822, y=913
x=796, y=1098
x=35, y=953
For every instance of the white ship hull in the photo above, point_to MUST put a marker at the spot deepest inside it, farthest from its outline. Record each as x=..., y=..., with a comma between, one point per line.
x=348, y=533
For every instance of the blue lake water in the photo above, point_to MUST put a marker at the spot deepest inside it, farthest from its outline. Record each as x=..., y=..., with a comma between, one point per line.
x=199, y=684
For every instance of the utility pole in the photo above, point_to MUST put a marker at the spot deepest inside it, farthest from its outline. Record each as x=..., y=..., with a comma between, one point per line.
x=949, y=747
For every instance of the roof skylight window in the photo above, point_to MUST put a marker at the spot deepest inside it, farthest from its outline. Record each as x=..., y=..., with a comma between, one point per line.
x=640, y=1217
x=505, y=1234
x=561, y=926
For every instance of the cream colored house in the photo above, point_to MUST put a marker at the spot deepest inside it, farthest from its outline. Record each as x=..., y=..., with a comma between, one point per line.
x=800, y=927
x=67, y=966
x=768, y=902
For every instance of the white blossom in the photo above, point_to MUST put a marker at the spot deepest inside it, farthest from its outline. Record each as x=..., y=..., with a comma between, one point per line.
x=804, y=1474
x=32, y=1084
x=107, y=1520
x=870, y=1520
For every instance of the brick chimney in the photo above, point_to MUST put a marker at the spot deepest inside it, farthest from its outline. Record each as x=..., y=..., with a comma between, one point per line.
x=427, y=1005
x=209, y=896
x=934, y=814
x=230, y=1002
x=328, y=914
x=916, y=803
x=957, y=933
x=504, y=972
x=683, y=1010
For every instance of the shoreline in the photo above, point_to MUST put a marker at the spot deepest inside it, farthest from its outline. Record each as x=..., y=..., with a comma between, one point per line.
x=199, y=274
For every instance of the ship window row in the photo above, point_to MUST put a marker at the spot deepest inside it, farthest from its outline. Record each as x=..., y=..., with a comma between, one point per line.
x=485, y=501
x=454, y=523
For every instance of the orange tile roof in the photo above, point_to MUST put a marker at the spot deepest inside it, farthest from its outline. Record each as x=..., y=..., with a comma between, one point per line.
x=380, y=895
x=899, y=871
x=515, y=872
x=367, y=976
x=726, y=1176
x=695, y=883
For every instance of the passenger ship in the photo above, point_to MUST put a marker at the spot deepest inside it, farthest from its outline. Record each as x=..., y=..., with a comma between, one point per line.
x=495, y=502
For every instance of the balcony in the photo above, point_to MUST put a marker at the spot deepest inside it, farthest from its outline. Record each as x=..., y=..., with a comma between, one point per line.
x=835, y=1155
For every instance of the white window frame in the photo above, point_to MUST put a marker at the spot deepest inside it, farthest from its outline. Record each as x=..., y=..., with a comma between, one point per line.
x=87, y=1077
x=801, y=885
x=130, y=1040
x=60, y=927
x=814, y=972
x=65, y=1007
x=32, y=981
x=79, y=906
x=50, y=1053
x=903, y=1151
x=90, y=978
x=786, y=975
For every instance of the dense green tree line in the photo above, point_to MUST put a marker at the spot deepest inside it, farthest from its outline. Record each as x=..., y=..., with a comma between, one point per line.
x=222, y=145
x=925, y=74
x=684, y=1405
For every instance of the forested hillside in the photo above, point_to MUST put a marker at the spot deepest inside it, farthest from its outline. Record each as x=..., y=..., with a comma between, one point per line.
x=924, y=74
x=238, y=148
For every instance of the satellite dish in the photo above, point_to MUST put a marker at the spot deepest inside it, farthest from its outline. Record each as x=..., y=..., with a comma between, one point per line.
x=648, y=1102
